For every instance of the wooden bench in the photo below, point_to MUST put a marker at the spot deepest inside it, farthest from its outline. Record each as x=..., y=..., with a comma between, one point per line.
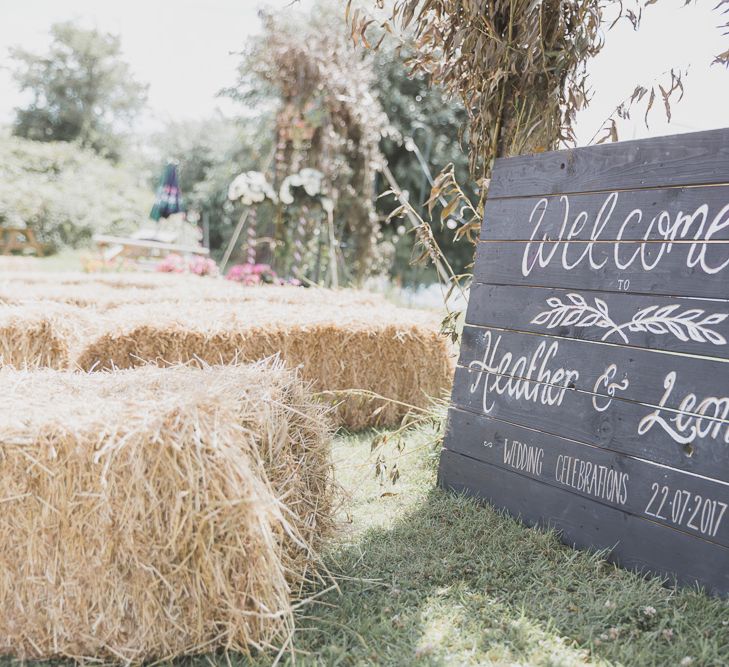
x=19, y=238
x=113, y=247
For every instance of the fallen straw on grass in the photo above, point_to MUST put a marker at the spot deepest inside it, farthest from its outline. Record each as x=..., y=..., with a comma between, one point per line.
x=154, y=513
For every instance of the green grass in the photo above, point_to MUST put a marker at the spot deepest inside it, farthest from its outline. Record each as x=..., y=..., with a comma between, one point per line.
x=429, y=578
x=67, y=259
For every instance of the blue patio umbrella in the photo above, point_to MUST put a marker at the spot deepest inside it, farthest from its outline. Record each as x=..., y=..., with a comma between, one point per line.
x=168, y=199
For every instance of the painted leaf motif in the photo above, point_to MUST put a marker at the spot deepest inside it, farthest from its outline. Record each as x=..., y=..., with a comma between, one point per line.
x=691, y=314
x=714, y=337
x=542, y=317
x=601, y=306
x=695, y=333
x=654, y=327
x=642, y=314
x=664, y=312
x=676, y=330
x=573, y=317
x=577, y=299
x=556, y=318
x=591, y=319
x=685, y=325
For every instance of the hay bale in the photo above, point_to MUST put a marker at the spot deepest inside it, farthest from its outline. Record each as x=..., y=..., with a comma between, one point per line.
x=153, y=513
x=113, y=279
x=106, y=291
x=394, y=352
x=343, y=340
x=19, y=263
x=41, y=335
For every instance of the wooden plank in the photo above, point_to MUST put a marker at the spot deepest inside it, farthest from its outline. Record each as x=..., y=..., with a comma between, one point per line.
x=572, y=414
x=592, y=392
x=678, y=269
x=694, y=505
x=635, y=543
x=523, y=309
x=132, y=244
x=671, y=214
x=653, y=378
x=698, y=158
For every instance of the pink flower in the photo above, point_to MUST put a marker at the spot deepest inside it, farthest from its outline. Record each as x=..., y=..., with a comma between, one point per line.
x=171, y=264
x=203, y=266
x=253, y=274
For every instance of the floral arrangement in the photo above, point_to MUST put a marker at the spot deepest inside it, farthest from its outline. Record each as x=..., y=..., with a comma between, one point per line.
x=253, y=274
x=95, y=264
x=199, y=266
x=172, y=263
x=309, y=179
x=202, y=266
x=251, y=187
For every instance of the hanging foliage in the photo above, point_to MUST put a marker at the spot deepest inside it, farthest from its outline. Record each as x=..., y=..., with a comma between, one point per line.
x=250, y=189
x=518, y=66
x=326, y=120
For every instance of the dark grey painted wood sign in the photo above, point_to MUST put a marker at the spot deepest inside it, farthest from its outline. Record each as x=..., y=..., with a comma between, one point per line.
x=592, y=389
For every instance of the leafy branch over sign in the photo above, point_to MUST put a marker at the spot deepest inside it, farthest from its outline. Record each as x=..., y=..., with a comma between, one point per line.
x=691, y=324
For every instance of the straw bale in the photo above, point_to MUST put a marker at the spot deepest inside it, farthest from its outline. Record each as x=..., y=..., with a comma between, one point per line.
x=142, y=280
x=393, y=352
x=153, y=513
x=34, y=335
x=19, y=263
x=105, y=291
x=343, y=340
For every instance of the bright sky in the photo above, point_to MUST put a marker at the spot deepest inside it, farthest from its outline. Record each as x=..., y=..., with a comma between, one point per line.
x=182, y=48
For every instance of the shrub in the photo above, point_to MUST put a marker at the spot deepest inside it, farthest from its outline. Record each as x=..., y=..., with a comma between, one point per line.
x=67, y=194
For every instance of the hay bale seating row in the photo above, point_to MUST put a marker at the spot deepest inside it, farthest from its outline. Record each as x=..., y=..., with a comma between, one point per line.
x=42, y=335
x=340, y=345
x=107, y=291
x=178, y=509
x=157, y=512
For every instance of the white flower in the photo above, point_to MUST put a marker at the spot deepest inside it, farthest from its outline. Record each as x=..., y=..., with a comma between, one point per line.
x=309, y=179
x=327, y=204
x=649, y=611
x=251, y=187
x=285, y=194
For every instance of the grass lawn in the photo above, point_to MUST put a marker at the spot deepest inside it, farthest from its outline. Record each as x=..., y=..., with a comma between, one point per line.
x=429, y=578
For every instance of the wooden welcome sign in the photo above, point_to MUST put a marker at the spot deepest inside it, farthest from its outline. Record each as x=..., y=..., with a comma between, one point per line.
x=592, y=389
